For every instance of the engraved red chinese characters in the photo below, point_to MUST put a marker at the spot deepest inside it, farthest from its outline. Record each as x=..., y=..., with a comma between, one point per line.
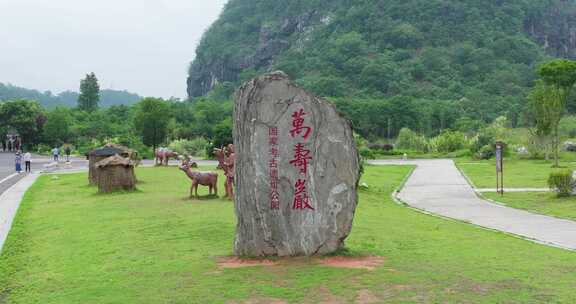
x=301, y=200
x=273, y=167
x=298, y=125
x=301, y=160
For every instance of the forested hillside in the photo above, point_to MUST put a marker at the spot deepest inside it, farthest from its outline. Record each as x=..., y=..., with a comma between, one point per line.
x=68, y=98
x=423, y=64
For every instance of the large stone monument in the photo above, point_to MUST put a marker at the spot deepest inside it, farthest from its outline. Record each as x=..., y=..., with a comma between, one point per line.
x=297, y=171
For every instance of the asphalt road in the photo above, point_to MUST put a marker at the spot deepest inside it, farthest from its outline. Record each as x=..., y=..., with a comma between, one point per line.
x=8, y=168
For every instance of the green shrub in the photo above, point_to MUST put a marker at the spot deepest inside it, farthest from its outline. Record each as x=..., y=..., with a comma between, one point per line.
x=486, y=137
x=568, y=127
x=486, y=152
x=483, y=146
x=449, y=141
x=412, y=141
x=562, y=182
x=195, y=147
x=538, y=146
x=367, y=153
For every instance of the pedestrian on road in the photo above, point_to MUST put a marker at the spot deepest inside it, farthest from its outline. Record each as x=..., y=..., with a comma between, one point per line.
x=18, y=161
x=67, y=151
x=28, y=161
x=55, y=153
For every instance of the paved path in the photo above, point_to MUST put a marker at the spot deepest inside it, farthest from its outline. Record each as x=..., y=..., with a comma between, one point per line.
x=9, y=203
x=437, y=187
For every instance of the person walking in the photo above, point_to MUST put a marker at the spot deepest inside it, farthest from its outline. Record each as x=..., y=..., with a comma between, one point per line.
x=18, y=161
x=67, y=151
x=55, y=153
x=28, y=162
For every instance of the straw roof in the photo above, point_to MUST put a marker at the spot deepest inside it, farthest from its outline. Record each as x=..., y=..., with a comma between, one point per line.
x=115, y=160
x=110, y=150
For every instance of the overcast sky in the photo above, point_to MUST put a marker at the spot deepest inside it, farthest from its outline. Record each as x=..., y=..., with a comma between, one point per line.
x=143, y=46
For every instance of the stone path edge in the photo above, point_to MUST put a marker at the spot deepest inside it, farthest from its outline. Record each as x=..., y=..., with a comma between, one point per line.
x=395, y=197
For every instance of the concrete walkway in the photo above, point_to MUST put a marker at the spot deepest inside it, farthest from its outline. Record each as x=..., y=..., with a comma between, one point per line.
x=437, y=187
x=9, y=203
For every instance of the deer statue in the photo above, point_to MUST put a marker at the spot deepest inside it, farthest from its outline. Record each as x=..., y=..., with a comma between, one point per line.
x=163, y=155
x=209, y=179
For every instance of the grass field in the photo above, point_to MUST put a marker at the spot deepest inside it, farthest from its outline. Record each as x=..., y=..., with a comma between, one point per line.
x=517, y=173
x=538, y=202
x=71, y=245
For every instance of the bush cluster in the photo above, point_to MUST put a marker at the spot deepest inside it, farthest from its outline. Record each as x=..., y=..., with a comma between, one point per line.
x=195, y=147
x=562, y=182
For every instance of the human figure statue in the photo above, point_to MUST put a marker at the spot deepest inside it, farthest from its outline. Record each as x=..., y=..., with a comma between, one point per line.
x=229, y=165
x=226, y=159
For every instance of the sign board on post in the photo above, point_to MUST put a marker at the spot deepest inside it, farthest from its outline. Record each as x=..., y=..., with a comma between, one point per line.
x=499, y=167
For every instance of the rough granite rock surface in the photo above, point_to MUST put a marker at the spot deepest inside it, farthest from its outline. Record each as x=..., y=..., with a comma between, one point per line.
x=331, y=177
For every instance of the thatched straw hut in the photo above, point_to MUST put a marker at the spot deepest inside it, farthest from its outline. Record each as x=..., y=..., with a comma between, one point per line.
x=99, y=154
x=115, y=173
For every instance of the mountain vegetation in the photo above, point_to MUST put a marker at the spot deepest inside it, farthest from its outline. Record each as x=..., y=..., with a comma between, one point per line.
x=428, y=65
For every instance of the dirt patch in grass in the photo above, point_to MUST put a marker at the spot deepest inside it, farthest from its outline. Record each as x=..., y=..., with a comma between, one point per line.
x=236, y=262
x=368, y=263
x=487, y=288
x=366, y=297
x=323, y=295
x=259, y=301
x=350, y=262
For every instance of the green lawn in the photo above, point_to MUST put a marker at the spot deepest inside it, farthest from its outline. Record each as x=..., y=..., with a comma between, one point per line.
x=543, y=203
x=70, y=245
x=517, y=173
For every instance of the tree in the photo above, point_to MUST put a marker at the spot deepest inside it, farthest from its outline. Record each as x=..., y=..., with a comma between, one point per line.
x=57, y=127
x=551, y=96
x=151, y=120
x=24, y=116
x=540, y=114
x=89, y=93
